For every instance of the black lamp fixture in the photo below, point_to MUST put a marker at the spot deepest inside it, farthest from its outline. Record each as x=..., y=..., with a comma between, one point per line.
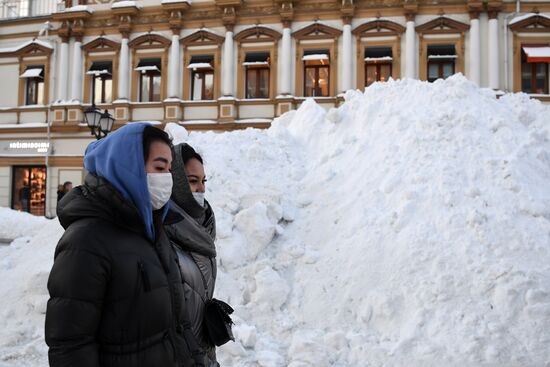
x=99, y=123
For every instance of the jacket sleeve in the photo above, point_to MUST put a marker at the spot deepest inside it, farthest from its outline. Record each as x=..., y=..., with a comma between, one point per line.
x=77, y=284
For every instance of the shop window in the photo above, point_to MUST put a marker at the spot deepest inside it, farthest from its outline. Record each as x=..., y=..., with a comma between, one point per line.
x=534, y=69
x=202, y=77
x=257, y=74
x=441, y=61
x=378, y=64
x=101, y=74
x=34, y=84
x=149, y=80
x=29, y=189
x=316, y=73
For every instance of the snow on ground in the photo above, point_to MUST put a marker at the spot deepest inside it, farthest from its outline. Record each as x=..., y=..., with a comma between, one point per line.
x=409, y=227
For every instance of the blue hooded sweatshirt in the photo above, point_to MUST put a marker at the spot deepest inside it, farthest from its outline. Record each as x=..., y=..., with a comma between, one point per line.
x=118, y=158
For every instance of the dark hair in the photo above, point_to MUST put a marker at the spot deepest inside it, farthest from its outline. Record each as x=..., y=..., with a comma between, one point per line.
x=66, y=184
x=152, y=134
x=188, y=153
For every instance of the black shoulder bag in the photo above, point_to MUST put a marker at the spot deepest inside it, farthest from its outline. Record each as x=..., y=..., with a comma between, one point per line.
x=217, y=321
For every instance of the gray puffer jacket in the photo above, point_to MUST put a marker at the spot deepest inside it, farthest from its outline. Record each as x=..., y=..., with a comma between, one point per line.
x=193, y=239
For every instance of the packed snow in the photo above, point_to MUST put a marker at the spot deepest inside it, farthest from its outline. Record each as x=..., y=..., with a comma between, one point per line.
x=408, y=227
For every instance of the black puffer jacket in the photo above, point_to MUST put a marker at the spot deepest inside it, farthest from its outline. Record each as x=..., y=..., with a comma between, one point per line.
x=116, y=297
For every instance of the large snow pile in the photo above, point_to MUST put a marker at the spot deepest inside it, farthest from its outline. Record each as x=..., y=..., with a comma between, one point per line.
x=410, y=226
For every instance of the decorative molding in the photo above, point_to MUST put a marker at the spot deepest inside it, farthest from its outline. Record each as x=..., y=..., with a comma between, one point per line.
x=317, y=31
x=442, y=25
x=257, y=34
x=493, y=8
x=347, y=11
x=286, y=12
x=533, y=24
x=202, y=38
x=149, y=40
x=410, y=9
x=382, y=27
x=475, y=7
x=101, y=44
x=125, y=16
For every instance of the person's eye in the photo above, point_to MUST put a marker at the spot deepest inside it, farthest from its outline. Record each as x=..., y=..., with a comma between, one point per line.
x=193, y=181
x=204, y=181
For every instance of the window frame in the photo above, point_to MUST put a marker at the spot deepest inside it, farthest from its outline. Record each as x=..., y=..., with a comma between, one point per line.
x=533, y=72
x=439, y=63
x=257, y=69
x=204, y=72
x=378, y=66
x=200, y=43
x=316, y=87
x=148, y=77
x=34, y=83
x=40, y=56
x=103, y=77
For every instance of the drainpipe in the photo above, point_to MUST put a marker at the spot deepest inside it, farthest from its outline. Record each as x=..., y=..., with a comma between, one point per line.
x=506, y=46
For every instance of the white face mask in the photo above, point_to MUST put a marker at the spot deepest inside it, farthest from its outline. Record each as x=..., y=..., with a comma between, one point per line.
x=199, y=197
x=160, y=188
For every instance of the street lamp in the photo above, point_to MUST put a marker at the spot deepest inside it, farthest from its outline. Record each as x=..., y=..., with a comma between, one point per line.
x=99, y=123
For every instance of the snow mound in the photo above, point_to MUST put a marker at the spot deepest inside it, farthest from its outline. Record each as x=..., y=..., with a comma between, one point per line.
x=408, y=227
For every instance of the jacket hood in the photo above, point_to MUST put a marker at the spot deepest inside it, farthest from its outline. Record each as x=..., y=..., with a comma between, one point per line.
x=97, y=198
x=189, y=234
x=118, y=158
x=181, y=191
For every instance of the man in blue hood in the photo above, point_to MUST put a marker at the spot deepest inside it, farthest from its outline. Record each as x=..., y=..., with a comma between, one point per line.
x=115, y=288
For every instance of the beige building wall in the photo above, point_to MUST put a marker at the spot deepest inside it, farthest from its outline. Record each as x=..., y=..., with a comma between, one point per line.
x=9, y=79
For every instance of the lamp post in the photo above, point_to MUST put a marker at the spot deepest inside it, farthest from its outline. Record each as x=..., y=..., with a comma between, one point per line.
x=99, y=123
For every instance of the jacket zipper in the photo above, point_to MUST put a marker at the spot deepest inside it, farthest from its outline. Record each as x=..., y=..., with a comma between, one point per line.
x=144, y=276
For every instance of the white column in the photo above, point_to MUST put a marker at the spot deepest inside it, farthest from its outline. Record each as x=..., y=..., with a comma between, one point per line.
x=227, y=88
x=475, y=51
x=410, y=50
x=174, y=67
x=123, y=70
x=63, y=68
x=286, y=63
x=76, y=82
x=494, y=71
x=347, y=82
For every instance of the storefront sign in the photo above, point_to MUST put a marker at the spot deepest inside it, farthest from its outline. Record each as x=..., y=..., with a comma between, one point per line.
x=24, y=147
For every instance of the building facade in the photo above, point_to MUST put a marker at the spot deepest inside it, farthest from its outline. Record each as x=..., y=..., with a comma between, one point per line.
x=228, y=64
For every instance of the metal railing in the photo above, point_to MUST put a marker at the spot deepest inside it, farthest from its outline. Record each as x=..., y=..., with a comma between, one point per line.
x=13, y=9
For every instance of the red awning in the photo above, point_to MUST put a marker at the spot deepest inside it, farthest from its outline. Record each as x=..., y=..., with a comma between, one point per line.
x=537, y=53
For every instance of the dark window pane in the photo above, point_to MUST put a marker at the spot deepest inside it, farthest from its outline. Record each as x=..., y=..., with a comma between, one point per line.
x=98, y=87
x=108, y=90
x=264, y=83
x=448, y=69
x=29, y=189
x=209, y=85
x=251, y=81
x=40, y=92
x=433, y=72
x=310, y=82
x=197, y=86
x=323, y=82
x=385, y=72
x=526, y=74
x=156, y=88
x=144, y=81
x=370, y=74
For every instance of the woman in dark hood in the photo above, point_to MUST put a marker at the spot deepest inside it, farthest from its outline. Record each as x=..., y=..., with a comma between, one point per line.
x=115, y=288
x=193, y=238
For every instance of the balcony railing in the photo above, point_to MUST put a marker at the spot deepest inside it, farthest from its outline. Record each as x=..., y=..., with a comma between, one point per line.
x=13, y=9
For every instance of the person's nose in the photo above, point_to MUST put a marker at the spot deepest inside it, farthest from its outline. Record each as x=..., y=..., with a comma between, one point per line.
x=201, y=187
